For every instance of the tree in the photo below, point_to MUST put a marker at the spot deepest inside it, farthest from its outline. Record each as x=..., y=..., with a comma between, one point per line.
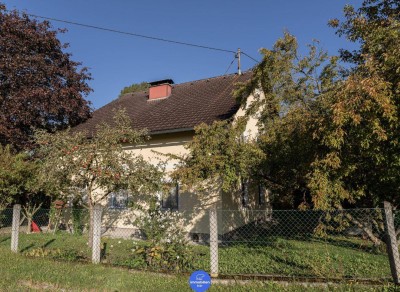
x=343, y=128
x=75, y=165
x=330, y=137
x=288, y=91
x=40, y=86
x=135, y=87
x=218, y=156
x=335, y=136
x=363, y=135
x=17, y=175
x=293, y=93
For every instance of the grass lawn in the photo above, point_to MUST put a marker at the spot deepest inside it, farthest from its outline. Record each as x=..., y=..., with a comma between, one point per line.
x=20, y=273
x=339, y=258
x=310, y=258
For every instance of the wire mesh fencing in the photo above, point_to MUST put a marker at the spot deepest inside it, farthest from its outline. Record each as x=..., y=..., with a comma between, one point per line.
x=331, y=245
x=158, y=241
x=397, y=230
x=155, y=239
x=392, y=243
x=338, y=244
x=6, y=221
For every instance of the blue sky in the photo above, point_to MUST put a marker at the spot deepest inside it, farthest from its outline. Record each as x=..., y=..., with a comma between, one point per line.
x=116, y=60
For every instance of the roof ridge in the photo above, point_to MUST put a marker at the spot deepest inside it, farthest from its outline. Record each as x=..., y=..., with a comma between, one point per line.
x=183, y=83
x=214, y=77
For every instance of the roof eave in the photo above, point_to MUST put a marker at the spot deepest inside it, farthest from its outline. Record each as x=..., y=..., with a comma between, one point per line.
x=168, y=131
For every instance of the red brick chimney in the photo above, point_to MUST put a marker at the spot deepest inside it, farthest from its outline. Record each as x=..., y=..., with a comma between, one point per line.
x=160, y=89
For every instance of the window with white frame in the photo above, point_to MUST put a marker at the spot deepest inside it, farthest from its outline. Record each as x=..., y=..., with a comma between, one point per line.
x=170, y=197
x=118, y=200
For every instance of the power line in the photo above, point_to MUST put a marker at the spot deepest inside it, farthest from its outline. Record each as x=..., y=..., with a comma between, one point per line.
x=130, y=33
x=137, y=35
x=230, y=65
x=250, y=57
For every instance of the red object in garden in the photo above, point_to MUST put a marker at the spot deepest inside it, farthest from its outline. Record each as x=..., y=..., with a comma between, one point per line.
x=35, y=227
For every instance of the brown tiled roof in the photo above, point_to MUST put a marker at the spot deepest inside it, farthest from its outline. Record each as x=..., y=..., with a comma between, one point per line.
x=190, y=104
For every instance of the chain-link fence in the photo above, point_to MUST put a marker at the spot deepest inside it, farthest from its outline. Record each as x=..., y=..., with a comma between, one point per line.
x=392, y=242
x=330, y=245
x=340, y=244
x=6, y=221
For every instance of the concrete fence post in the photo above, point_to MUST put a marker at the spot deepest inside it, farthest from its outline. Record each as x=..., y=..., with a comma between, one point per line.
x=96, y=246
x=213, y=242
x=15, y=227
x=391, y=242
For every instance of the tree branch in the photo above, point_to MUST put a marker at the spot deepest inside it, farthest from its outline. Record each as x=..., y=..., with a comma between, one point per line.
x=376, y=241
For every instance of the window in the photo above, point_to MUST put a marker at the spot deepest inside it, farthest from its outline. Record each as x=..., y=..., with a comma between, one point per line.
x=118, y=200
x=169, y=199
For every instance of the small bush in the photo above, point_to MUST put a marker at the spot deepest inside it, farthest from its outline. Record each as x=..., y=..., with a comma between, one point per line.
x=168, y=242
x=78, y=218
x=57, y=254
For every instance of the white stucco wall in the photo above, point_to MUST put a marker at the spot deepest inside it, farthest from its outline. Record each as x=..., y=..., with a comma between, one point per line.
x=251, y=130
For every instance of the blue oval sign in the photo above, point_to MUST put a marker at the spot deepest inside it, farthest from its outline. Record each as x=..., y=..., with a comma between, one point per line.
x=200, y=281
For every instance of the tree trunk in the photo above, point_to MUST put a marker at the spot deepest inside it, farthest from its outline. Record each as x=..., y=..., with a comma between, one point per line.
x=57, y=216
x=29, y=230
x=91, y=211
x=375, y=240
x=90, y=240
x=29, y=212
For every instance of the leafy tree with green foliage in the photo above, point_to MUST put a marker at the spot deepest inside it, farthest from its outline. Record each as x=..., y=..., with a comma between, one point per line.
x=361, y=131
x=290, y=92
x=218, y=157
x=19, y=182
x=40, y=86
x=329, y=137
x=17, y=175
x=75, y=165
x=287, y=90
x=335, y=136
x=135, y=87
x=343, y=130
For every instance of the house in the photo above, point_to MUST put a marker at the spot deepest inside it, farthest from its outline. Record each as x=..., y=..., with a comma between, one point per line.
x=170, y=112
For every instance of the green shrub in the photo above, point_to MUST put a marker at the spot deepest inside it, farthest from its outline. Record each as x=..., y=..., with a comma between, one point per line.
x=78, y=218
x=168, y=247
x=57, y=254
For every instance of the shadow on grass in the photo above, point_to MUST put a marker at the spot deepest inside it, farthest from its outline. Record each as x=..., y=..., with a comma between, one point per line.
x=103, y=251
x=260, y=242
x=351, y=243
x=364, y=246
x=5, y=239
x=27, y=247
x=48, y=243
x=301, y=268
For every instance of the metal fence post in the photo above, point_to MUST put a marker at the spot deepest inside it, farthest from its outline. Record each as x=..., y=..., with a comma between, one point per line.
x=213, y=242
x=15, y=227
x=96, y=248
x=391, y=242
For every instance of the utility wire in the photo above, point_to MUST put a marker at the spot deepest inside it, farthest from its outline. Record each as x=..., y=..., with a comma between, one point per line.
x=130, y=33
x=250, y=57
x=229, y=67
x=139, y=35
